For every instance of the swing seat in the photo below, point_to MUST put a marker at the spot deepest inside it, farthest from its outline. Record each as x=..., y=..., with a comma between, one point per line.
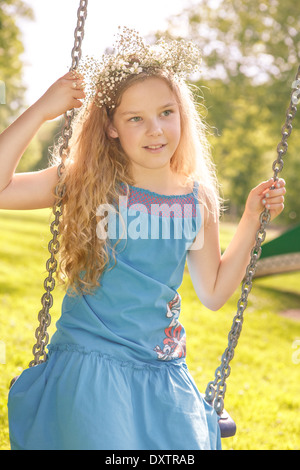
x=227, y=425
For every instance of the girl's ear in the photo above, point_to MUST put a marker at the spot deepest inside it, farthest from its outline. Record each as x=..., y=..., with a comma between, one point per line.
x=112, y=131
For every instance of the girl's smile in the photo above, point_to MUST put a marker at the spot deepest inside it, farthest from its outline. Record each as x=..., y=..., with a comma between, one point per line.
x=155, y=148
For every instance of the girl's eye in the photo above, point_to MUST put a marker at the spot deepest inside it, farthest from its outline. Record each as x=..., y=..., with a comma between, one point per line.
x=167, y=112
x=135, y=119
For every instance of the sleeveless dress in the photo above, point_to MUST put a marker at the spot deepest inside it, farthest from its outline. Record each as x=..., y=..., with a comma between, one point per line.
x=116, y=377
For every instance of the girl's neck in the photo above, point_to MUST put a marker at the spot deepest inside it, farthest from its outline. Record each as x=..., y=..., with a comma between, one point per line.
x=167, y=183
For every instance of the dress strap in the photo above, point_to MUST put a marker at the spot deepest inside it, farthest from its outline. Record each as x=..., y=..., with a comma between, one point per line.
x=196, y=189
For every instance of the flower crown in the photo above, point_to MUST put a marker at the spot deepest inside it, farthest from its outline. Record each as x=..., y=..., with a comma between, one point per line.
x=131, y=56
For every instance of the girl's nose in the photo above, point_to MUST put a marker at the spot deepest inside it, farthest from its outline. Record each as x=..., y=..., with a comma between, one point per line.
x=154, y=129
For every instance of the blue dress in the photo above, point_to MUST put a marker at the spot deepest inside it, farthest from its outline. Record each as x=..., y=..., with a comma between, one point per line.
x=116, y=377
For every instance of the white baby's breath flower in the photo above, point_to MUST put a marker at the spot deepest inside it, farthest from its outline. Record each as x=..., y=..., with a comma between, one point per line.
x=132, y=56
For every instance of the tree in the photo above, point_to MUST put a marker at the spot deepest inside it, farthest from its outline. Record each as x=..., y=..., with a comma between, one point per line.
x=251, y=52
x=257, y=40
x=11, y=48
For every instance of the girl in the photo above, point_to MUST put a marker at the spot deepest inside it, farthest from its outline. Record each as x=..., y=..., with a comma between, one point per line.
x=140, y=198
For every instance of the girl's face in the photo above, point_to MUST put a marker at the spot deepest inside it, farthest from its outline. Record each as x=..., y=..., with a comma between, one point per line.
x=147, y=123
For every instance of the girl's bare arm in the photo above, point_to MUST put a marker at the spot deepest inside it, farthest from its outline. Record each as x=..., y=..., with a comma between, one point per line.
x=215, y=277
x=33, y=190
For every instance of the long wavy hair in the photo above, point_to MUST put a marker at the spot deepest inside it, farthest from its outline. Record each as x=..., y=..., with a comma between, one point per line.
x=96, y=165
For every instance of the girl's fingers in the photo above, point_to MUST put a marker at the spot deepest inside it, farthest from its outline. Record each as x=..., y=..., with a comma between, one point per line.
x=76, y=87
x=274, y=192
x=77, y=84
x=73, y=80
x=77, y=104
x=264, y=187
x=274, y=196
x=280, y=183
x=264, y=196
x=268, y=203
x=78, y=94
x=275, y=208
x=73, y=75
x=273, y=199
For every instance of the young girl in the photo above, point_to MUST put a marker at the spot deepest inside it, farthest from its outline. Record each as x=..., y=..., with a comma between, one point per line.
x=140, y=199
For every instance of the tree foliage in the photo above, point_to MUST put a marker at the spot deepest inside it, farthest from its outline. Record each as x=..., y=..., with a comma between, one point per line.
x=251, y=52
x=11, y=49
x=257, y=40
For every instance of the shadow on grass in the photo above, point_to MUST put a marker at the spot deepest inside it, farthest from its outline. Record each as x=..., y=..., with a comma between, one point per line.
x=286, y=298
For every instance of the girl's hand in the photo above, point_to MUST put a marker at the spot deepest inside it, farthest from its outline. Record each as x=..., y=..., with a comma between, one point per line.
x=264, y=197
x=63, y=95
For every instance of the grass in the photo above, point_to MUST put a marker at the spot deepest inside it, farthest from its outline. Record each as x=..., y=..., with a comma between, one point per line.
x=263, y=394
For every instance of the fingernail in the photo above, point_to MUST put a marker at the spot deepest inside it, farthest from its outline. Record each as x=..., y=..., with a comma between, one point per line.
x=264, y=201
x=268, y=195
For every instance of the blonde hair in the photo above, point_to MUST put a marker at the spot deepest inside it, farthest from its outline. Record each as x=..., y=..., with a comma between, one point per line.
x=97, y=164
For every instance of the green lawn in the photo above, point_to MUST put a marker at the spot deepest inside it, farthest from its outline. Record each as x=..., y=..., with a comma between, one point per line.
x=263, y=394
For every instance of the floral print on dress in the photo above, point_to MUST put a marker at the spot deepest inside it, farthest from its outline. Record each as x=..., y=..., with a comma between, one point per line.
x=175, y=340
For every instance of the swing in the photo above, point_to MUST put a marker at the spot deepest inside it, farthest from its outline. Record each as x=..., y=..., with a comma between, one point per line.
x=216, y=389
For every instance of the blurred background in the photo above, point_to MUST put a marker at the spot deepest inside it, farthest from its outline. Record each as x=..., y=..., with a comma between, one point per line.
x=251, y=53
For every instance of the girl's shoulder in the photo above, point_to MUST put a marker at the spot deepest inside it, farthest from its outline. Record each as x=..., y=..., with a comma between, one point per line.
x=209, y=198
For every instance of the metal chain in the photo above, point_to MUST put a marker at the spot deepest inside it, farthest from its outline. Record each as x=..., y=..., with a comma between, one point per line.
x=216, y=389
x=44, y=317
